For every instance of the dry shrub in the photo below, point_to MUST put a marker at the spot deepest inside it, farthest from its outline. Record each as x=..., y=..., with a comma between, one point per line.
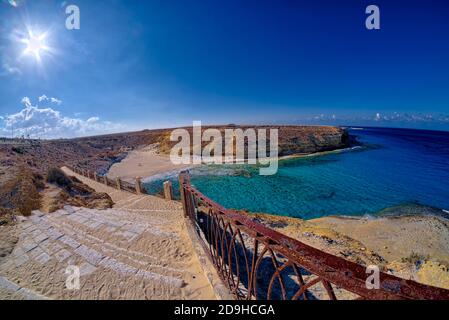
x=57, y=176
x=5, y=216
x=20, y=195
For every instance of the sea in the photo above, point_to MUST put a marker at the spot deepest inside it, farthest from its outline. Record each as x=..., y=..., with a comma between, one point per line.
x=387, y=169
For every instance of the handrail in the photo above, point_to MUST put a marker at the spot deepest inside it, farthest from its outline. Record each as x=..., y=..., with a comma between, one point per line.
x=256, y=262
x=135, y=188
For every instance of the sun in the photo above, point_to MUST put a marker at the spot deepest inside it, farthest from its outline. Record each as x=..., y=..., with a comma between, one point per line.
x=35, y=44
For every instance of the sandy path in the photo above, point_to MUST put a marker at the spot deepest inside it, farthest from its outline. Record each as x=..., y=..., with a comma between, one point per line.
x=144, y=162
x=137, y=250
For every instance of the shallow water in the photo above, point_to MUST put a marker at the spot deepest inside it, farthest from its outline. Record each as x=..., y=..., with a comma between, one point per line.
x=393, y=167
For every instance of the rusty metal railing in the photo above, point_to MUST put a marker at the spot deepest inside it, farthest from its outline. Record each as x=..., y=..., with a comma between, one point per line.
x=256, y=262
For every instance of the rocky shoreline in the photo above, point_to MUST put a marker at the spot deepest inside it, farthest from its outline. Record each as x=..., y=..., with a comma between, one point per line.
x=411, y=244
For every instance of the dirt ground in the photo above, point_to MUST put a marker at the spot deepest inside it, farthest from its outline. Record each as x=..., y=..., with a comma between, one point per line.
x=411, y=247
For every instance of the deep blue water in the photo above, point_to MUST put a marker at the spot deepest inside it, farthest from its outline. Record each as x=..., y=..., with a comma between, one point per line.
x=392, y=167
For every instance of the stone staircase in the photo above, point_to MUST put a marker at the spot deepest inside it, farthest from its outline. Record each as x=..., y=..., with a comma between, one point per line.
x=139, y=249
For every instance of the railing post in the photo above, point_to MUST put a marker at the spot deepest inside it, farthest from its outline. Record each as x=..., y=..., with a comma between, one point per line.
x=119, y=183
x=105, y=180
x=182, y=178
x=168, y=190
x=139, y=185
x=95, y=176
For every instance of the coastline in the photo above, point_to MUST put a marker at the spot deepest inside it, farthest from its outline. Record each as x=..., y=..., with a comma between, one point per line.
x=388, y=235
x=411, y=242
x=320, y=153
x=410, y=247
x=145, y=162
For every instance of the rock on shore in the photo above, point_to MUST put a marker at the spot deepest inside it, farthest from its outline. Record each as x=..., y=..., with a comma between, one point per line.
x=409, y=246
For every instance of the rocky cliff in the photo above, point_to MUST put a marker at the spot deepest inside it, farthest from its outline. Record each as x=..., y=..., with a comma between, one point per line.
x=292, y=139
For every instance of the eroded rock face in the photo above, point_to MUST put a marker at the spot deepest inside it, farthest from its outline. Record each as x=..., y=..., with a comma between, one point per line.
x=98, y=153
x=292, y=139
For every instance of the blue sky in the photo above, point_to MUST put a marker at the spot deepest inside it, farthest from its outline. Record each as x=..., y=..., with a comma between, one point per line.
x=146, y=64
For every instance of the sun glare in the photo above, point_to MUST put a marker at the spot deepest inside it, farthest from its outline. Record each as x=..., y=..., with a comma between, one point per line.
x=35, y=45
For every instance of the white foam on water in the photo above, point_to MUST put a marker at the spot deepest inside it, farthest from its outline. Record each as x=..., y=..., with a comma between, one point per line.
x=164, y=175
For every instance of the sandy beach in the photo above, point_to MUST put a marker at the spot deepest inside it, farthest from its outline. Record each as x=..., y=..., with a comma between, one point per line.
x=144, y=162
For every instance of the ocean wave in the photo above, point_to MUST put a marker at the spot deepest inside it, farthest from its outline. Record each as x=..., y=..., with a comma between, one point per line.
x=164, y=175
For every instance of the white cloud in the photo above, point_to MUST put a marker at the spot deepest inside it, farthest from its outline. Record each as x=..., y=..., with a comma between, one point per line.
x=44, y=98
x=93, y=119
x=7, y=69
x=46, y=122
x=26, y=102
x=54, y=100
x=395, y=119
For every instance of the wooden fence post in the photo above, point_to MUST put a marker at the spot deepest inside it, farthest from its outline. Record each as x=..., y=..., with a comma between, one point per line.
x=119, y=184
x=168, y=190
x=181, y=191
x=138, y=185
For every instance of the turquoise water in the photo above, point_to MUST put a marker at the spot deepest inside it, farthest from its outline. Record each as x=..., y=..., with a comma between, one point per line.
x=392, y=167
